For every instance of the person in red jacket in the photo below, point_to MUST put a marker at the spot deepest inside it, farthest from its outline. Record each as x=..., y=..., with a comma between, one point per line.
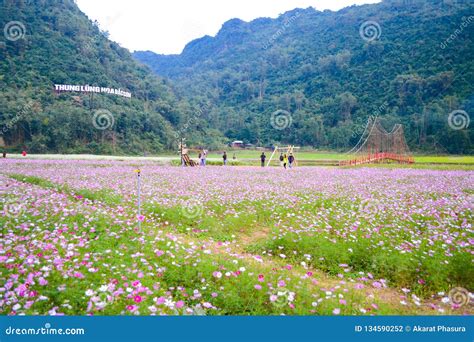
x=23, y=153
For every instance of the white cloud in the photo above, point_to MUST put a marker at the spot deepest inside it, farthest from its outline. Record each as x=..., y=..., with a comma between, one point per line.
x=167, y=26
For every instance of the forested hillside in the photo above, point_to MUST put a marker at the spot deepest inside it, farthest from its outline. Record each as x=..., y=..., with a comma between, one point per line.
x=53, y=42
x=318, y=71
x=412, y=64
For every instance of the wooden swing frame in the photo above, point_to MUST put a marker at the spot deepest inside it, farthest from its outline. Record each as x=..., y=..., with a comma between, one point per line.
x=289, y=149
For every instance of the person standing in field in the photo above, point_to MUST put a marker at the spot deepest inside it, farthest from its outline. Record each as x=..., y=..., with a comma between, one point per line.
x=224, y=158
x=200, y=158
x=203, y=158
x=285, y=161
x=291, y=160
x=262, y=159
x=281, y=159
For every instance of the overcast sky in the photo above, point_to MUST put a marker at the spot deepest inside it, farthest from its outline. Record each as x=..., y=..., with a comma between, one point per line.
x=167, y=26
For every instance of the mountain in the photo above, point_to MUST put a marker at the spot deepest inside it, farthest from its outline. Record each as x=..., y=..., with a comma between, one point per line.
x=50, y=42
x=322, y=74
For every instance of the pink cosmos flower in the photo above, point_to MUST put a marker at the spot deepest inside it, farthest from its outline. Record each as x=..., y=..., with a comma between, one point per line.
x=281, y=283
x=258, y=287
x=377, y=284
x=137, y=299
x=273, y=298
x=261, y=277
x=342, y=301
x=336, y=311
x=141, y=218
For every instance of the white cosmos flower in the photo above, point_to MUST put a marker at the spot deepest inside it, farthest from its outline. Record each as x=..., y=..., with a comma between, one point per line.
x=169, y=303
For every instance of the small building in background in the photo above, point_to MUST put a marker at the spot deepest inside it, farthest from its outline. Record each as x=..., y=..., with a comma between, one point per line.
x=237, y=143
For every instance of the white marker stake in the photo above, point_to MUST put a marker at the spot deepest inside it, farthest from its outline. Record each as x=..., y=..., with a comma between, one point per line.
x=139, y=202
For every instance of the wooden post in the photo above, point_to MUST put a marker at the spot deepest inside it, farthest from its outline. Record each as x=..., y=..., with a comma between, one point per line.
x=269, y=160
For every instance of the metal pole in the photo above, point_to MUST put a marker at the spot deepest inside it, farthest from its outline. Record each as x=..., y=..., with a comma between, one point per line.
x=139, y=201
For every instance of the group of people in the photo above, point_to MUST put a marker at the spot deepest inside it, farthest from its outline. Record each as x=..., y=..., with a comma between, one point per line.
x=224, y=157
x=285, y=161
x=202, y=156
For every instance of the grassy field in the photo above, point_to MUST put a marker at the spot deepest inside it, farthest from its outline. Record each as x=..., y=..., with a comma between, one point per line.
x=332, y=156
x=249, y=157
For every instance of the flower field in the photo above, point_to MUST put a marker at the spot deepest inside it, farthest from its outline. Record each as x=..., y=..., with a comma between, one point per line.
x=233, y=240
